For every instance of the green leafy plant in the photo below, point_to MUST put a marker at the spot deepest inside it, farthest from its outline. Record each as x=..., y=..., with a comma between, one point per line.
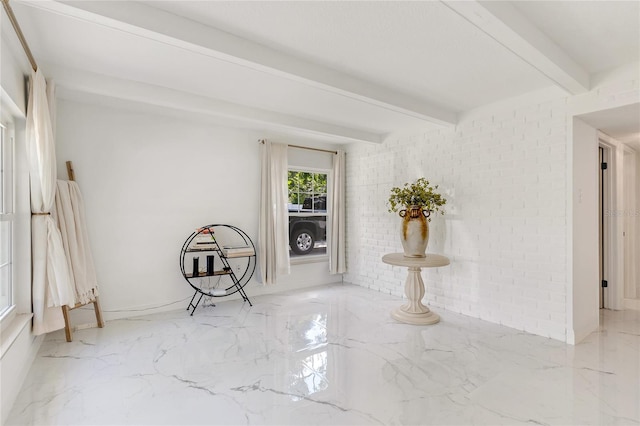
x=305, y=184
x=419, y=193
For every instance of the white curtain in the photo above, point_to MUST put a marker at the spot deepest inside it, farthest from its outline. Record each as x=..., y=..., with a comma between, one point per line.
x=51, y=286
x=273, y=232
x=337, y=263
x=69, y=216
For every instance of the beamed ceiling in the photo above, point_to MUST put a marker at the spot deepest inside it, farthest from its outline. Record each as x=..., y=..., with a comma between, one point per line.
x=338, y=71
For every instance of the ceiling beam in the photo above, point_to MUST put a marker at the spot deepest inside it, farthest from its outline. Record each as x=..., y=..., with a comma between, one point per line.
x=155, y=24
x=501, y=21
x=169, y=99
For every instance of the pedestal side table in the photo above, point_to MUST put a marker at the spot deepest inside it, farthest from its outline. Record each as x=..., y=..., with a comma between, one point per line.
x=414, y=312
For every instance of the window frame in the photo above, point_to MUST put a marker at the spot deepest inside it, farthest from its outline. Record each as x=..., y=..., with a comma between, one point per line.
x=7, y=213
x=311, y=258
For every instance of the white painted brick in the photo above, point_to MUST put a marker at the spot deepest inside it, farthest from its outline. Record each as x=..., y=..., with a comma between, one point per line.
x=506, y=226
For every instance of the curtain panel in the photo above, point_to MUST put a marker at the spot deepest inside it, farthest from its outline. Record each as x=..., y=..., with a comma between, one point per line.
x=273, y=227
x=51, y=285
x=337, y=263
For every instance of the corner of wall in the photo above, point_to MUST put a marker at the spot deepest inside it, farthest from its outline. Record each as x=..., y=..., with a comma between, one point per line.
x=582, y=296
x=578, y=334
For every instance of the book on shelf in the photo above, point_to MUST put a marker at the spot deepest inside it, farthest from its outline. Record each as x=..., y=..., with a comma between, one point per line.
x=204, y=239
x=237, y=251
x=210, y=244
x=203, y=245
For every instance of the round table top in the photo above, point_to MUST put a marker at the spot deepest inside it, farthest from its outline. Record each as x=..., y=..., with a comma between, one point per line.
x=429, y=261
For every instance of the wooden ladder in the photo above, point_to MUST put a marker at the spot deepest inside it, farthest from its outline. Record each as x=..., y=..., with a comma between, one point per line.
x=68, y=331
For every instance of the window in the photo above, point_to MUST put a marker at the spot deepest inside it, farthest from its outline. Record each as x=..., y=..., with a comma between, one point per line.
x=307, y=212
x=6, y=220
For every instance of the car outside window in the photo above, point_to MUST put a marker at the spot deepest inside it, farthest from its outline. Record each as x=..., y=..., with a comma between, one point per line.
x=307, y=212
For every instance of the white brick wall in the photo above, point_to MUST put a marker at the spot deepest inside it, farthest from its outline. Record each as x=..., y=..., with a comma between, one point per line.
x=507, y=226
x=505, y=229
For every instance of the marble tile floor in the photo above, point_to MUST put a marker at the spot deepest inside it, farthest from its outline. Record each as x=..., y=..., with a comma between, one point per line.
x=332, y=356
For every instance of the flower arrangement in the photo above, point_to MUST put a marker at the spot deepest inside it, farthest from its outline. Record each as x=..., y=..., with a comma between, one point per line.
x=419, y=193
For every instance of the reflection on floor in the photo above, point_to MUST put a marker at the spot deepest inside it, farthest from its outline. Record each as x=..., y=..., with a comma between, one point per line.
x=330, y=355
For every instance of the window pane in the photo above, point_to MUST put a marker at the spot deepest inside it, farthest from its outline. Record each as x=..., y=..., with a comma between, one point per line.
x=5, y=242
x=5, y=287
x=6, y=176
x=320, y=183
x=6, y=219
x=294, y=190
x=306, y=181
x=307, y=213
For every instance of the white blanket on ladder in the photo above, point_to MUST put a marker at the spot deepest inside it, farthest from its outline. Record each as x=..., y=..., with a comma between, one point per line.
x=69, y=215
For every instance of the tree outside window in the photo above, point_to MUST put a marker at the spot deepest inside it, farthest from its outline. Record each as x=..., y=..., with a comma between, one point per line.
x=307, y=212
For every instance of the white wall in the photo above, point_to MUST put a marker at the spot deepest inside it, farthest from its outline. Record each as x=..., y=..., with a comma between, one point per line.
x=636, y=214
x=12, y=73
x=630, y=188
x=583, y=317
x=507, y=171
x=632, y=226
x=630, y=256
x=148, y=182
x=502, y=171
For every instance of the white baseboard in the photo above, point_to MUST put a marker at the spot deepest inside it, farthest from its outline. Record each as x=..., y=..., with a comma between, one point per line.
x=578, y=334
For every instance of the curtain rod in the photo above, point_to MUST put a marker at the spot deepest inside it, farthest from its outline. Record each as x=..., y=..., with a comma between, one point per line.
x=16, y=27
x=313, y=149
x=305, y=147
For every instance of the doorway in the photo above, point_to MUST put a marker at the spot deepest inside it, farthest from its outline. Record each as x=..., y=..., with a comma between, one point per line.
x=604, y=210
x=618, y=225
x=598, y=250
